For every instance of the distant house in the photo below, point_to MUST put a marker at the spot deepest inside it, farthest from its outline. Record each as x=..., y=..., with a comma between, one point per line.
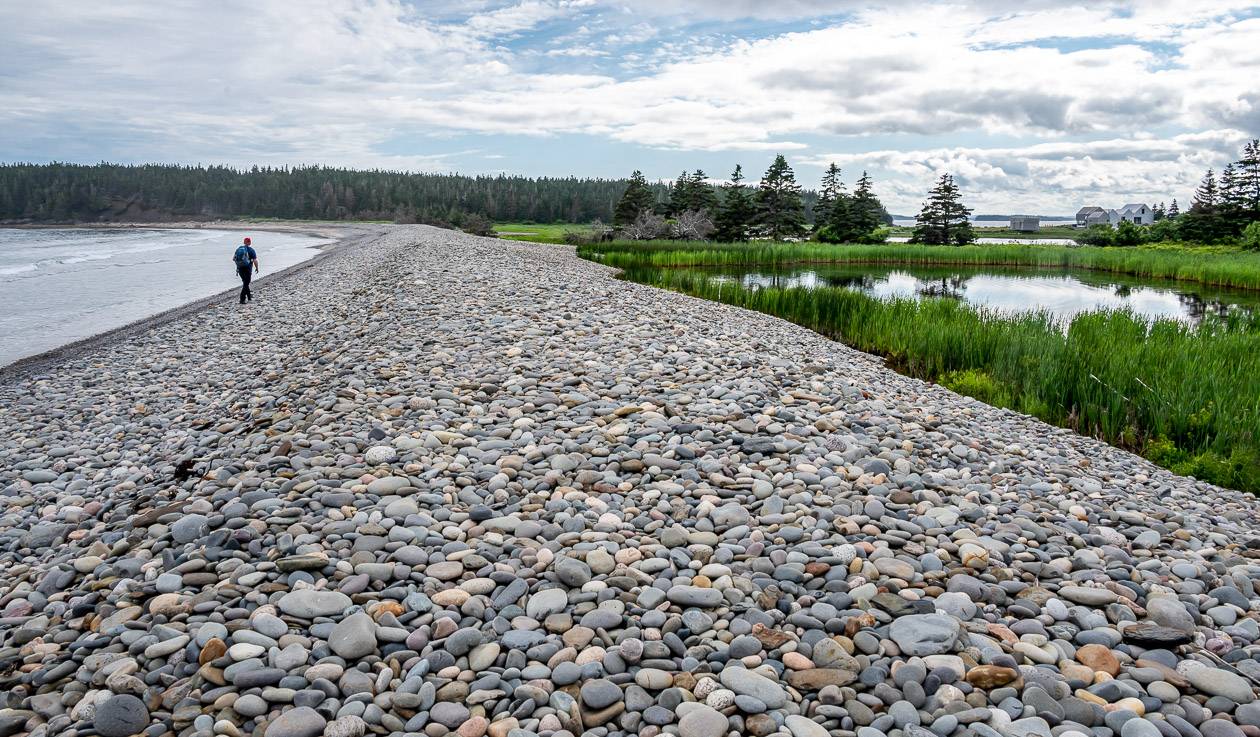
x=1137, y=213
x=1025, y=223
x=1091, y=215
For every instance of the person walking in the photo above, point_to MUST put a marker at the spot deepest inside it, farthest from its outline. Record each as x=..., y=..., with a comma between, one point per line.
x=246, y=260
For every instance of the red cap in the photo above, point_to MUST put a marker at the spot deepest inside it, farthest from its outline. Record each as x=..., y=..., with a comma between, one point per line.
x=247, y=241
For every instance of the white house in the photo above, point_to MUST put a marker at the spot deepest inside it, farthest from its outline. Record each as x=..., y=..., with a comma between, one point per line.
x=1137, y=213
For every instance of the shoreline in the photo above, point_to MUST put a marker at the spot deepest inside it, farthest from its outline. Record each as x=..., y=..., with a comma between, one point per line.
x=29, y=366
x=314, y=228
x=323, y=229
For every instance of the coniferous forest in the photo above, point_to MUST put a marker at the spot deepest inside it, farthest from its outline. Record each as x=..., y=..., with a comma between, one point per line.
x=153, y=192
x=77, y=193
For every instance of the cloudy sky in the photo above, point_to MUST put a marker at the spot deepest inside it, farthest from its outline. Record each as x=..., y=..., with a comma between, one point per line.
x=1035, y=106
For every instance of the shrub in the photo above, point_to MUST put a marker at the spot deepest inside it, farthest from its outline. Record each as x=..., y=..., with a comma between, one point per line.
x=693, y=225
x=476, y=224
x=829, y=234
x=647, y=226
x=1251, y=236
x=879, y=235
x=1127, y=234
x=1097, y=235
x=1162, y=231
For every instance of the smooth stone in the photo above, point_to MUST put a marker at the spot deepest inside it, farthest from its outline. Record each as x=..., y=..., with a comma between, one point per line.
x=925, y=634
x=120, y=715
x=703, y=721
x=309, y=603
x=301, y=721
x=748, y=683
x=354, y=637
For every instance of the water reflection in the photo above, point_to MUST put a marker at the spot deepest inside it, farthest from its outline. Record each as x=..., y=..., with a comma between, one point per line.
x=1063, y=293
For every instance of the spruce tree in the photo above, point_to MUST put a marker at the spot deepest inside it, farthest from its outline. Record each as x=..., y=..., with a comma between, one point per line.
x=1233, y=201
x=780, y=211
x=830, y=191
x=865, y=209
x=637, y=199
x=736, y=213
x=680, y=195
x=1173, y=210
x=1231, y=194
x=1206, y=196
x=943, y=220
x=1204, y=223
x=1249, y=178
x=703, y=198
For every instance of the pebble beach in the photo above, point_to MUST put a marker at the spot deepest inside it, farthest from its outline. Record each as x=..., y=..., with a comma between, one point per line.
x=437, y=484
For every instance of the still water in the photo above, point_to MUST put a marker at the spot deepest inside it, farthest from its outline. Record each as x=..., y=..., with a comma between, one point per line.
x=1063, y=293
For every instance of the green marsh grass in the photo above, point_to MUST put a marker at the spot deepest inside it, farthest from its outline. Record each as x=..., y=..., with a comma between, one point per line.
x=1214, y=266
x=538, y=233
x=1186, y=396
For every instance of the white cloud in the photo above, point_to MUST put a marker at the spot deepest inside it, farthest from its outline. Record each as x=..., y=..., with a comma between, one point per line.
x=520, y=17
x=1048, y=178
x=343, y=82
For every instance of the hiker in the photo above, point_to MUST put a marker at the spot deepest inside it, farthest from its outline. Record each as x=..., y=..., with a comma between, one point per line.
x=243, y=258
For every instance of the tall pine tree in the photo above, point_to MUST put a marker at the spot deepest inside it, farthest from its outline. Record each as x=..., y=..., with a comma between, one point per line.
x=1249, y=178
x=1207, y=195
x=703, y=198
x=1203, y=223
x=680, y=195
x=944, y=219
x=638, y=198
x=1233, y=200
x=735, y=215
x=780, y=211
x=829, y=193
x=865, y=209
x=1232, y=195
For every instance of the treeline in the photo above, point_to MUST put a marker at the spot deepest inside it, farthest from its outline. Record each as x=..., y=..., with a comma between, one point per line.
x=1225, y=210
x=777, y=208
x=113, y=192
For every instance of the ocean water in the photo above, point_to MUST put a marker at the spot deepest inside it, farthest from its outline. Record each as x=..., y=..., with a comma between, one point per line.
x=62, y=285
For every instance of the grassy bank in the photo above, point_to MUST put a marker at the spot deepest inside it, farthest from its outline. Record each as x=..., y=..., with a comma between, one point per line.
x=1214, y=265
x=1186, y=397
x=535, y=233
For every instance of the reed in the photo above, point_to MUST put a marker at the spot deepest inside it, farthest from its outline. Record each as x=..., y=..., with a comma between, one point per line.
x=1187, y=397
x=1214, y=266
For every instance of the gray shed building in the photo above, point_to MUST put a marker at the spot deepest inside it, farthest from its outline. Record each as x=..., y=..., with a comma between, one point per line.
x=1025, y=223
x=1091, y=215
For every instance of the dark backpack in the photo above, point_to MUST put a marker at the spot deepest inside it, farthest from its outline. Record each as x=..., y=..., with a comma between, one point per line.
x=241, y=258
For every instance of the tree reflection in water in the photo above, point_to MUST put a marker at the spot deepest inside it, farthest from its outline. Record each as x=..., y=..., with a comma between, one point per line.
x=946, y=286
x=1058, y=292
x=1197, y=308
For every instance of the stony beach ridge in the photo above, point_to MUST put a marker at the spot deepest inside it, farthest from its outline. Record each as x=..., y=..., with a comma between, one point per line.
x=437, y=484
